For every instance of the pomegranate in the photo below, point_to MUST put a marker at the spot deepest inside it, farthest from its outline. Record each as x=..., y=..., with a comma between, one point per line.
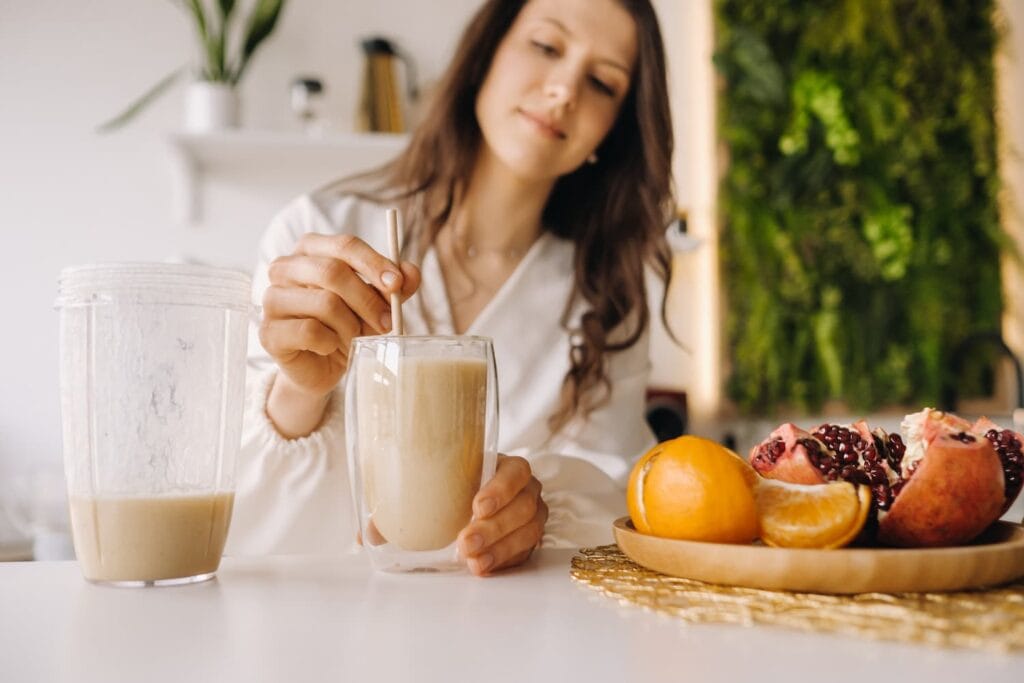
x=831, y=452
x=943, y=485
x=1008, y=446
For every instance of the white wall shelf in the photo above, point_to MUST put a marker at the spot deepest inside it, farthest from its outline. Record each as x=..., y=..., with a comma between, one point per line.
x=196, y=156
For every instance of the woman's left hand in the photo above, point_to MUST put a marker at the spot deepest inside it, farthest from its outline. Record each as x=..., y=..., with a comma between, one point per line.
x=509, y=517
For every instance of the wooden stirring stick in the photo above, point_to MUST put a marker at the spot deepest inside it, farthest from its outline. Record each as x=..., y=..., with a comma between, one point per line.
x=397, y=326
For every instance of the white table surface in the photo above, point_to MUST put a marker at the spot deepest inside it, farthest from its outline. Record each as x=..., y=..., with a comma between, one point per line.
x=334, y=619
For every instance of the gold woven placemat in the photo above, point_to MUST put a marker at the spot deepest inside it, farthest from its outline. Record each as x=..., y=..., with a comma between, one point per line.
x=984, y=619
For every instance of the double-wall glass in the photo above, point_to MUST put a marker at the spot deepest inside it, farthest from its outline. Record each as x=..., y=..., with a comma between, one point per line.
x=421, y=423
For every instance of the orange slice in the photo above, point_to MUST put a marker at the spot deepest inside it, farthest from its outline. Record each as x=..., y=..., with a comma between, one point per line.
x=811, y=515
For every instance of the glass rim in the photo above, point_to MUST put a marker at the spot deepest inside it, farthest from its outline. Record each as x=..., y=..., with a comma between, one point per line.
x=378, y=338
x=154, y=282
x=151, y=268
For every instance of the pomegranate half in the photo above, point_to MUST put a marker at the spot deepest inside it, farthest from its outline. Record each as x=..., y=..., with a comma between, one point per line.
x=942, y=483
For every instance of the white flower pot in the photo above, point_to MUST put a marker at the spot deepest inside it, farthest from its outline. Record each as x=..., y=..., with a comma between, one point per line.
x=210, y=106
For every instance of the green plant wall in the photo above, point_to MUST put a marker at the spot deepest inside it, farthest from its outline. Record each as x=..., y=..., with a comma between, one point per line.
x=860, y=227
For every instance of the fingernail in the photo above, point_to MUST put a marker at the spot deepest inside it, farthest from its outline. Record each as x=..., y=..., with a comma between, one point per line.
x=385, y=321
x=473, y=543
x=388, y=278
x=487, y=507
x=484, y=562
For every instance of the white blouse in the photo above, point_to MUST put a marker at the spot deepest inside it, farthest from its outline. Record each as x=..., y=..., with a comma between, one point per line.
x=292, y=496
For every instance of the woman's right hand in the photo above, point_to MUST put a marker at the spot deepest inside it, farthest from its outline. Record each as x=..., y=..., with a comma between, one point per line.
x=330, y=289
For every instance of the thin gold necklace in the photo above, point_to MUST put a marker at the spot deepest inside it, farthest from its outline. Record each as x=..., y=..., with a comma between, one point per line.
x=471, y=251
x=462, y=255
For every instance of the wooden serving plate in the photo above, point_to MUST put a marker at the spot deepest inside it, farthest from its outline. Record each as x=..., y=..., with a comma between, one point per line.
x=994, y=558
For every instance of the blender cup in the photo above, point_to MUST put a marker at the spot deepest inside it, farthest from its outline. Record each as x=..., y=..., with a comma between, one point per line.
x=152, y=388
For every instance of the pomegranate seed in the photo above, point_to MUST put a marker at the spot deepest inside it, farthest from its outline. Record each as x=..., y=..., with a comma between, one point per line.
x=1008, y=447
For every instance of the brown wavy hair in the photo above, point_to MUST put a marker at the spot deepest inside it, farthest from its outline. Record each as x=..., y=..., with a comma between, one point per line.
x=615, y=211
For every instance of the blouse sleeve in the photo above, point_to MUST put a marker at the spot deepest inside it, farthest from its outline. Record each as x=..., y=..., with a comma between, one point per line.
x=291, y=495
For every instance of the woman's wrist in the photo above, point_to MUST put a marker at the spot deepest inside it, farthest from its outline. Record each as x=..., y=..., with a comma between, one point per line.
x=293, y=412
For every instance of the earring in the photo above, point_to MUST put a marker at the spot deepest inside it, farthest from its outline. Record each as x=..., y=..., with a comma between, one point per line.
x=592, y=159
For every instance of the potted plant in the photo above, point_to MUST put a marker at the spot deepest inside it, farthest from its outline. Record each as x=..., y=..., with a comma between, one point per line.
x=211, y=101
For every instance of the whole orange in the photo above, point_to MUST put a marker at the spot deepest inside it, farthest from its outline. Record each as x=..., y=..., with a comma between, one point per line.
x=694, y=489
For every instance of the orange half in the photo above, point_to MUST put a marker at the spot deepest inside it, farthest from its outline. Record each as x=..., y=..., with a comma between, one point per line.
x=811, y=515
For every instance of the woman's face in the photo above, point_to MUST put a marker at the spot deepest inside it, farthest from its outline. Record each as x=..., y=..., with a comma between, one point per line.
x=556, y=84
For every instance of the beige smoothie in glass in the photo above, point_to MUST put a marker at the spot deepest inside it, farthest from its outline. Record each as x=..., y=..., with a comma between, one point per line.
x=421, y=430
x=422, y=447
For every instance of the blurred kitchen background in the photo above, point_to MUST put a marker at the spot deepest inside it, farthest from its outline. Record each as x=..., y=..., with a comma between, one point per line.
x=849, y=175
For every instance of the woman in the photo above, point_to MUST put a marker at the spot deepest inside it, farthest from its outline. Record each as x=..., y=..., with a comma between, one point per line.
x=534, y=194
